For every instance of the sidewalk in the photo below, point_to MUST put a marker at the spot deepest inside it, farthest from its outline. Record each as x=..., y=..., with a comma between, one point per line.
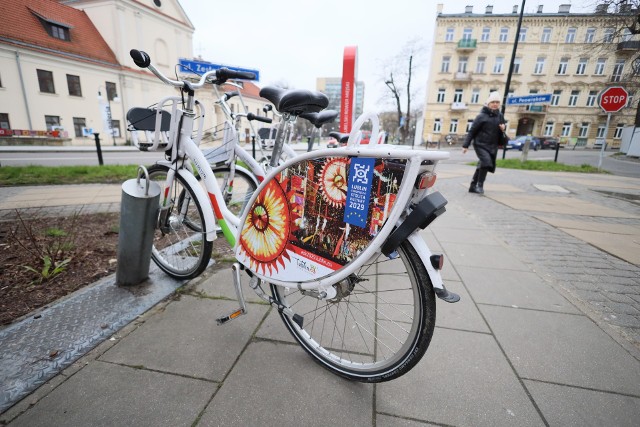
x=547, y=331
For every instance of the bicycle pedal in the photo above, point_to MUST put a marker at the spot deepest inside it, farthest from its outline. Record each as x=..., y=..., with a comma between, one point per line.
x=222, y=320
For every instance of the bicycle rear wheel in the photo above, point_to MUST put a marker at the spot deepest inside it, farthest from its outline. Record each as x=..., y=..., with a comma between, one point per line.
x=237, y=193
x=379, y=325
x=179, y=245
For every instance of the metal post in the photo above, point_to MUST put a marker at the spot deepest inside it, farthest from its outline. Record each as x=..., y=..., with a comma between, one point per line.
x=604, y=143
x=96, y=136
x=253, y=146
x=513, y=57
x=555, y=159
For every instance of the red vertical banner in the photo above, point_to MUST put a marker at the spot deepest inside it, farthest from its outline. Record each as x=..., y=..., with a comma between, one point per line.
x=349, y=65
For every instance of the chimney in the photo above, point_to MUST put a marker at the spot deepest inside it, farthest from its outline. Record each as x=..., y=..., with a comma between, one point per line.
x=515, y=8
x=489, y=10
x=539, y=8
x=468, y=9
x=564, y=8
x=439, y=8
x=602, y=8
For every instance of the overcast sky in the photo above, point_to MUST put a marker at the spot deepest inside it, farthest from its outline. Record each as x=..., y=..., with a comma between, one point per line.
x=295, y=41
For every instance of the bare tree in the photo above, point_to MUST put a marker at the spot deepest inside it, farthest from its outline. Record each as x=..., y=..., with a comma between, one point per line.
x=397, y=77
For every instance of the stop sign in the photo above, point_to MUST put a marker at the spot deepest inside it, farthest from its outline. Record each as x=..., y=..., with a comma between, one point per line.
x=613, y=99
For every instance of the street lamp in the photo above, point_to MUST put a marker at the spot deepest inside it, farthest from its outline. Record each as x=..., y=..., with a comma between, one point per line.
x=105, y=110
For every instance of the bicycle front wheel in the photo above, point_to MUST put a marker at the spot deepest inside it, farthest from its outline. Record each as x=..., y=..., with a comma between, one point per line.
x=179, y=245
x=377, y=327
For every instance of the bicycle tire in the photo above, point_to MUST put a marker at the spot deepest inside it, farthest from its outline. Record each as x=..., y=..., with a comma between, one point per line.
x=244, y=185
x=377, y=328
x=179, y=245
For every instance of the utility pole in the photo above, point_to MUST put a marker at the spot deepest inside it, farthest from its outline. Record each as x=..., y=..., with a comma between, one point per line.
x=513, y=57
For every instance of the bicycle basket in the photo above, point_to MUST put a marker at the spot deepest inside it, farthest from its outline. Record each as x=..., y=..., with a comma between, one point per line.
x=155, y=129
x=224, y=152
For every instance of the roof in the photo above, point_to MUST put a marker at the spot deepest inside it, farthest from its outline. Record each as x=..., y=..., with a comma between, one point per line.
x=22, y=26
x=250, y=90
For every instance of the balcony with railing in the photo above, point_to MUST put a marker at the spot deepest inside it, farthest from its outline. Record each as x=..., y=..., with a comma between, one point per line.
x=466, y=45
x=462, y=76
x=458, y=106
x=629, y=46
x=532, y=109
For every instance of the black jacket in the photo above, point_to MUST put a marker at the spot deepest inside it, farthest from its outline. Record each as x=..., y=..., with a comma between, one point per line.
x=485, y=130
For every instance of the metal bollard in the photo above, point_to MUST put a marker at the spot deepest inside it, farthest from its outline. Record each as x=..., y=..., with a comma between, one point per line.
x=138, y=215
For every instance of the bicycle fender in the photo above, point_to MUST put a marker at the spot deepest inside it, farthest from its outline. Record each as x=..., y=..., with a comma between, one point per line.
x=205, y=203
x=422, y=215
x=425, y=253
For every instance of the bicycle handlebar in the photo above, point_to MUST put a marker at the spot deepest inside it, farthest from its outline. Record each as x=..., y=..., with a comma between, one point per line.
x=252, y=116
x=143, y=60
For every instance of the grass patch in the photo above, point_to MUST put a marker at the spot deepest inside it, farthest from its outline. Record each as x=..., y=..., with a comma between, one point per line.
x=46, y=175
x=545, y=165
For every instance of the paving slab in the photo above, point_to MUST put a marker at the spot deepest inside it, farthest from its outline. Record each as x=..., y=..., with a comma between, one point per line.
x=571, y=406
x=623, y=246
x=185, y=339
x=279, y=385
x=220, y=285
x=558, y=204
x=515, y=289
x=464, y=379
x=603, y=227
x=107, y=394
x=463, y=315
x=482, y=254
x=389, y=421
x=563, y=348
x=551, y=188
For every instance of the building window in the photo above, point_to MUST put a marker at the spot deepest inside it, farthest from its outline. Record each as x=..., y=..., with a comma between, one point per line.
x=618, y=132
x=467, y=33
x=449, y=35
x=608, y=35
x=437, y=126
x=555, y=97
x=45, y=79
x=584, y=130
x=112, y=93
x=475, y=96
x=462, y=64
x=548, y=129
x=600, y=66
x=453, y=126
x=486, y=33
x=51, y=121
x=591, y=98
x=115, y=127
x=78, y=124
x=546, y=35
x=497, y=67
x=571, y=35
x=457, y=96
x=480, y=65
x=602, y=130
x=469, y=124
x=617, y=70
x=590, y=35
x=516, y=65
x=504, y=34
x=573, y=98
x=446, y=60
x=440, y=98
x=523, y=35
x=539, y=65
x=562, y=68
x=54, y=29
x=582, y=66
x=4, y=121
x=566, y=129
x=73, y=83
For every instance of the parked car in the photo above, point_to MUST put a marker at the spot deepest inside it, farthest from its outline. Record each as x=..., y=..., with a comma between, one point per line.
x=519, y=141
x=548, y=142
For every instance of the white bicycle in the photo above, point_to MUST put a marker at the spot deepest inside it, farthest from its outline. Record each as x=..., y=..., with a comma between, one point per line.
x=329, y=238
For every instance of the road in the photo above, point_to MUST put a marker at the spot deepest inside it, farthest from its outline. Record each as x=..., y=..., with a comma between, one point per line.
x=616, y=165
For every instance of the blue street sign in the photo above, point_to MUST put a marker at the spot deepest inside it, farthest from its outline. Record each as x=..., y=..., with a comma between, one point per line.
x=201, y=67
x=529, y=99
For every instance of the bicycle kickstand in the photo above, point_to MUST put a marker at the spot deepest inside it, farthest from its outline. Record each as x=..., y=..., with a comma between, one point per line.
x=235, y=271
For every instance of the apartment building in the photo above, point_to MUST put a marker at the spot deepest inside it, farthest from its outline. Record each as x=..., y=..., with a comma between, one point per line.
x=332, y=87
x=559, y=53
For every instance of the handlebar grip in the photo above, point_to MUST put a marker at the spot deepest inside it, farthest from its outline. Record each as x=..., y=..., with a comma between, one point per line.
x=141, y=58
x=223, y=74
x=267, y=108
x=252, y=116
x=229, y=95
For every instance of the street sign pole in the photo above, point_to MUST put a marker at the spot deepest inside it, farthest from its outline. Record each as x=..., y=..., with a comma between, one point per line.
x=606, y=131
